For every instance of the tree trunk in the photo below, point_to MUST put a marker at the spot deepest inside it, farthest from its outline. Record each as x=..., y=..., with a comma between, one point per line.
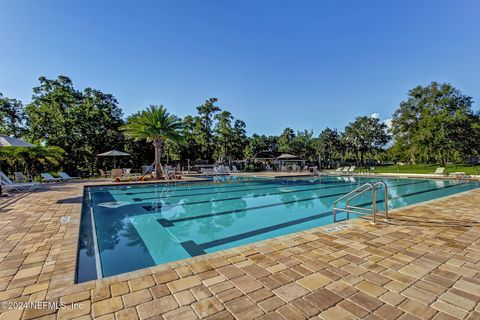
x=158, y=165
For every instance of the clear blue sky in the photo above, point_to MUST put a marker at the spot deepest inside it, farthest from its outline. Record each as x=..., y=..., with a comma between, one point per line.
x=303, y=64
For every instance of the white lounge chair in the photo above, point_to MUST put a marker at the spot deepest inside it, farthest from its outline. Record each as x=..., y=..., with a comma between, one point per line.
x=103, y=174
x=207, y=171
x=351, y=169
x=345, y=170
x=47, y=177
x=20, y=177
x=440, y=171
x=234, y=169
x=8, y=184
x=65, y=176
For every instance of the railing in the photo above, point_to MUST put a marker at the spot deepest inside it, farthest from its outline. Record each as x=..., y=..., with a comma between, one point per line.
x=362, y=210
x=316, y=172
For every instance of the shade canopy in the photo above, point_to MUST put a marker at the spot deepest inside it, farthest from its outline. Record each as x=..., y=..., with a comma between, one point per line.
x=287, y=156
x=113, y=153
x=6, y=141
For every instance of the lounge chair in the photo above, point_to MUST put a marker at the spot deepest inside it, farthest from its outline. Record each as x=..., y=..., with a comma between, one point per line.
x=20, y=177
x=104, y=174
x=227, y=169
x=234, y=169
x=351, y=169
x=268, y=168
x=345, y=170
x=8, y=184
x=147, y=169
x=440, y=171
x=65, y=176
x=47, y=177
x=339, y=169
x=220, y=169
x=117, y=173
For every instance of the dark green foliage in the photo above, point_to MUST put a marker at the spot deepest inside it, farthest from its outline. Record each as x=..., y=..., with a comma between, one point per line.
x=436, y=123
x=12, y=117
x=365, y=136
x=81, y=123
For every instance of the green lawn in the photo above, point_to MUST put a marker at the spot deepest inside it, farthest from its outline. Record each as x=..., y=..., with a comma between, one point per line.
x=424, y=168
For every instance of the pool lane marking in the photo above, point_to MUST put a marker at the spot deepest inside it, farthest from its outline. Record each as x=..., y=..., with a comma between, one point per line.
x=239, y=184
x=190, y=187
x=268, y=194
x=249, y=189
x=250, y=196
x=194, y=248
x=216, y=186
x=170, y=223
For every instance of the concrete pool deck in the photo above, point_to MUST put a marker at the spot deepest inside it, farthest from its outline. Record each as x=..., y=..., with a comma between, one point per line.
x=423, y=264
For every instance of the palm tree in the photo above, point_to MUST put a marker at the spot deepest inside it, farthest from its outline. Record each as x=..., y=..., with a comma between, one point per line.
x=33, y=158
x=155, y=125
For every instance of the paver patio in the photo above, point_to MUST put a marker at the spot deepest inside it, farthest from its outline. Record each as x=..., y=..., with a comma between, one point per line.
x=423, y=264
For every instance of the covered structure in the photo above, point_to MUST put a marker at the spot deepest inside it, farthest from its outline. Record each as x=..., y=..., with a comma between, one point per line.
x=266, y=156
x=289, y=162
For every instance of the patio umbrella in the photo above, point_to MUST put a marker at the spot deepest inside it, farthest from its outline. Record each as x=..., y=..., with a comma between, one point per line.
x=287, y=156
x=6, y=141
x=114, y=154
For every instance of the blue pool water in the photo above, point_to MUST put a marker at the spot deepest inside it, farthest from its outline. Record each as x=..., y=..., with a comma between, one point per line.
x=138, y=226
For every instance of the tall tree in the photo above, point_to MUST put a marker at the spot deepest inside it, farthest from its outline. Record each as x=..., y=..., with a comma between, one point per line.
x=12, y=117
x=285, y=140
x=259, y=143
x=328, y=145
x=301, y=145
x=204, y=127
x=190, y=149
x=82, y=124
x=365, y=135
x=98, y=120
x=52, y=116
x=224, y=136
x=239, y=139
x=435, y=122
x=157, y=126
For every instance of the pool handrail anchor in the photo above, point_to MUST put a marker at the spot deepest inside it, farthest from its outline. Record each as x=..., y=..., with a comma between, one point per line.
x=362, y=210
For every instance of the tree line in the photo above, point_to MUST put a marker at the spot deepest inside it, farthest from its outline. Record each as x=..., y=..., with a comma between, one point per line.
x=434, y=124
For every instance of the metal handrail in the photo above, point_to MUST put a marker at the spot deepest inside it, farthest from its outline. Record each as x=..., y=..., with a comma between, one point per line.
x=361, y=210
x=316, y=172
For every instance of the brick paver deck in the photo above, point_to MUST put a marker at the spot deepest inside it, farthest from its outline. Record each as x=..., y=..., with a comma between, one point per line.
x=423, y=264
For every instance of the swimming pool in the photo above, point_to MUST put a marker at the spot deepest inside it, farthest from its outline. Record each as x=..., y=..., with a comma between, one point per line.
x=125, y=228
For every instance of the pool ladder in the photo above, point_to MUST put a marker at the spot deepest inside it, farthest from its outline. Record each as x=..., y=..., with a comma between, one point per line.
x=316, y=172
x=362, y=210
